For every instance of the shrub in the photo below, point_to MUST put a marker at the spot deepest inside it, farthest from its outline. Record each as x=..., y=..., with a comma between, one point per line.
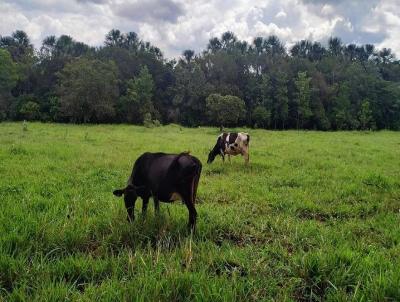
x=30, y=111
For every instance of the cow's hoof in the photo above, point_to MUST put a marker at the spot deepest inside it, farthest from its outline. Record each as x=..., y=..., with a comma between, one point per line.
x=191, y=229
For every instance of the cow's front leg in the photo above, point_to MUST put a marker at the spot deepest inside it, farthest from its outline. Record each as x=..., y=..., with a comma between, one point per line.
x=246, y=157
x=130, y=198
x=222, y=155
x=144, y=206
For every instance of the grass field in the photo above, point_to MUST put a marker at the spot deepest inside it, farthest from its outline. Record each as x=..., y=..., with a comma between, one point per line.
x=316, y=216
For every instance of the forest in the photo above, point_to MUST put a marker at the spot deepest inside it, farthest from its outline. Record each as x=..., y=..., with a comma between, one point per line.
x=230, y=83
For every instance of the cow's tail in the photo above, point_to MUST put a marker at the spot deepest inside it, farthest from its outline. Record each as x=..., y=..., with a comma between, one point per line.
x=196, y=179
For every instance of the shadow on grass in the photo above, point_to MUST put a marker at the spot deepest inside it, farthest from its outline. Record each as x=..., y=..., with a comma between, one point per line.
x=236, y=167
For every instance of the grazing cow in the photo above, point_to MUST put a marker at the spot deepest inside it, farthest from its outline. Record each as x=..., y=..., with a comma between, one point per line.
x=166, y=178
x=231, y=144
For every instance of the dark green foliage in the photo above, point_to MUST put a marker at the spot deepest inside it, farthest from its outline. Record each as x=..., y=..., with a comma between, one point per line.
x=138, y=100
x=365, y=116
x=227, y=110
x=261, y=117
x=310, y=86
x=302, y=83
x=8, y=72
x=280, y=108
x=341, y=110
x=8, y=79
x=30, y=111
x=87, y=91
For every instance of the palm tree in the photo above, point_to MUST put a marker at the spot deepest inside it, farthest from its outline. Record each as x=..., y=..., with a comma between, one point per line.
x=301, y=49
x=21, y=38
x=335, y=46
x=386, y=56
x=214, y=45
x=130, y=41
x=64, y=45
x=350, y=51
x=317, y=51
x=114, y=38
x=188, y=55
x=274, y=46
x=258, y=44
x=369, y=49
x=228, y=39
x=48, y=46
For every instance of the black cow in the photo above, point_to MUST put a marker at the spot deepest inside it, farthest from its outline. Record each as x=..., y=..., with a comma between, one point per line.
x=232, y=144
x=165, y=177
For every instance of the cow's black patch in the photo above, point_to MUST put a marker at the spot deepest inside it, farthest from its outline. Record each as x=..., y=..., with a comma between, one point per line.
x=232, y=137
x=232, y=147
x=236, y=144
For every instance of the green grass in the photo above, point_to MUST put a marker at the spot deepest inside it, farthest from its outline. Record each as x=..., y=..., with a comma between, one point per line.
x=316, y=216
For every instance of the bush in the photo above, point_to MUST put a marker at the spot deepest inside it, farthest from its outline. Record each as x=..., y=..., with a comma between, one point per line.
x=149, y=123
x=30, y=111
x=225, y=110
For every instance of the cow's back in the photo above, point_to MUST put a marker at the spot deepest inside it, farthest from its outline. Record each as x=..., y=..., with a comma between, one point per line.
x=160, y=173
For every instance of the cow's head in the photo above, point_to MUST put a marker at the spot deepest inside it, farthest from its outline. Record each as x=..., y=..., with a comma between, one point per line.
x=211, y=156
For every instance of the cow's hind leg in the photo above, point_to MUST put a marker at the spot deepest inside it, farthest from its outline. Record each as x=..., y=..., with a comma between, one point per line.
x=156, y=205
x=130, y=198
x=187, y=197
x=192, y=216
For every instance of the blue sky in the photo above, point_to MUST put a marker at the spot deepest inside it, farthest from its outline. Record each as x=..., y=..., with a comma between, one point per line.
x=176, y=25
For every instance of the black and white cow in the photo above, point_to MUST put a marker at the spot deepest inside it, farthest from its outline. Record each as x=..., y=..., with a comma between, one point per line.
x=166, y=178
x=232, y=144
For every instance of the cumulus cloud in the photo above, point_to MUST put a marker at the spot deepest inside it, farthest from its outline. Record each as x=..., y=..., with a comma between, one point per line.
x=176, y=25
x=149, y=10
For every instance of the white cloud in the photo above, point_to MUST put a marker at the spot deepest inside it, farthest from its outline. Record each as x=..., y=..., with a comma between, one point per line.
x=281, y=14
x=176, y=25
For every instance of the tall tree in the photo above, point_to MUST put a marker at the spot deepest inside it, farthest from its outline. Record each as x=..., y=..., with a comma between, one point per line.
x=8, y=79
x=302, y=83
x=87, y=91
x=140, y=94
x=365, y=116
x=280, y=99
x=342, y=106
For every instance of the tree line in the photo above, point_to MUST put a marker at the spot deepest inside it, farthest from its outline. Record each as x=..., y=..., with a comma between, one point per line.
x=231, y=83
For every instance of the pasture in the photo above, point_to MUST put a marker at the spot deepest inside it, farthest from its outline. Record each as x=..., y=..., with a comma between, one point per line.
x=316, y=216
